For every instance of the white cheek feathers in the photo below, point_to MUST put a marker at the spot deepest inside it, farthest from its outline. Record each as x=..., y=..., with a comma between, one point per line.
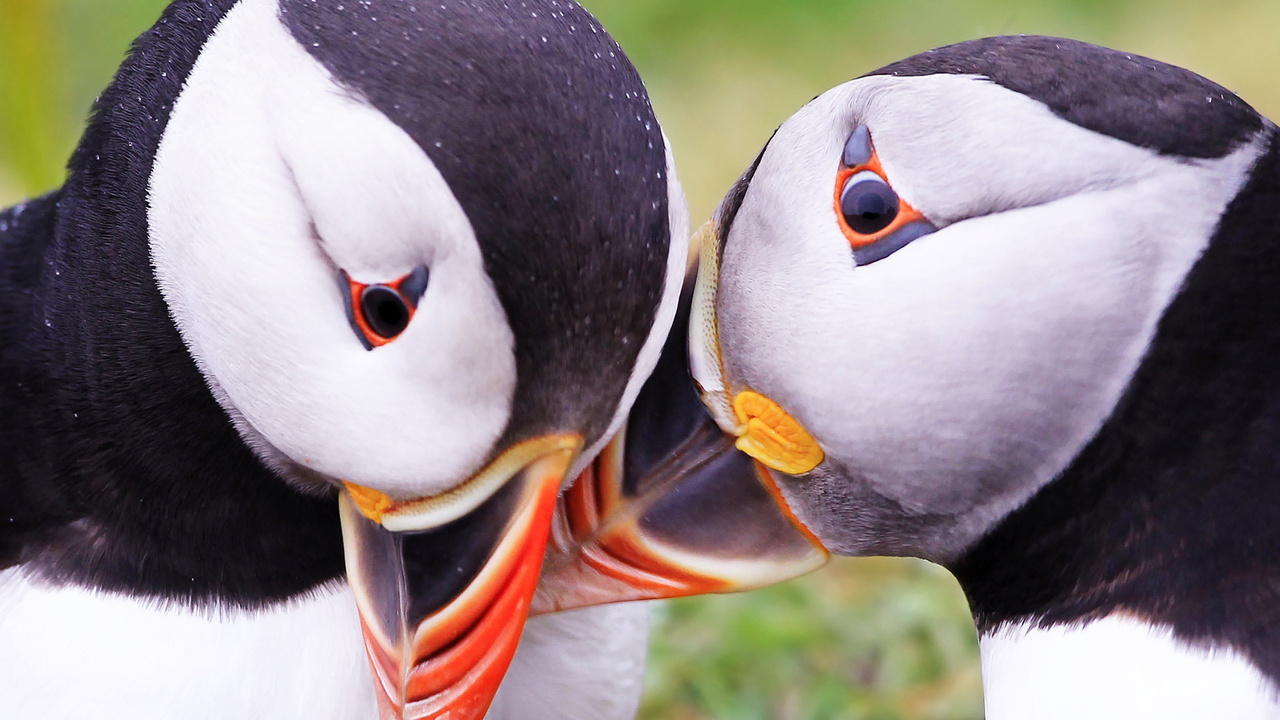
x=270, y=182
x=958, y=375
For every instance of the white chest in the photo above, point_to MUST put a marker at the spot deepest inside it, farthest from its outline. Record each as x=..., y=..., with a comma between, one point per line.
x=71, y=653
x=1117, y=668
x=581, y=665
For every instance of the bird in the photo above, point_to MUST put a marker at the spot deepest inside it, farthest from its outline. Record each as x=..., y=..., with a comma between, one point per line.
x=335, y=297
x=1013, y=306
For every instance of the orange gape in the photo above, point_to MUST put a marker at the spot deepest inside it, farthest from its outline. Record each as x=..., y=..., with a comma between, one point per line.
x=774, y=438
x=373, y=504
x=906, y=213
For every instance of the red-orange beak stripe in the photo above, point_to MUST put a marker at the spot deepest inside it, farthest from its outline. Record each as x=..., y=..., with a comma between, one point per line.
x=492, y=633
x=451, y=663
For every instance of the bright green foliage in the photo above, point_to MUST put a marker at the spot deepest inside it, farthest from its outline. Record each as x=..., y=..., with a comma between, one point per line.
x=882, y=639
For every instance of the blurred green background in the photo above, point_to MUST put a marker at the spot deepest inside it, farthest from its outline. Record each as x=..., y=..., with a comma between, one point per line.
x=871, y=638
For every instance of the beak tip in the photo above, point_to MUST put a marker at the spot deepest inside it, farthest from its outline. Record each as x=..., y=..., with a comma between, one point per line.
x=446, y=659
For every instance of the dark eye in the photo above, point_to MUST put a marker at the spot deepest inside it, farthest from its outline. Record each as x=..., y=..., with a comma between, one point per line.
x=868, y=204
x=385, y=312
x=380, y=312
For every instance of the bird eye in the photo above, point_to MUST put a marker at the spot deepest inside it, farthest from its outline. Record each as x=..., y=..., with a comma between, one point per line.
x=385, y=312
x=379, y=313
x=868, y=204
x=876, y=222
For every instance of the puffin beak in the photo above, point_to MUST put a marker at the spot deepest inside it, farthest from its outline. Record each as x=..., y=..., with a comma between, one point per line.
x=443, y=585
x=706, y=519
x=673, y=506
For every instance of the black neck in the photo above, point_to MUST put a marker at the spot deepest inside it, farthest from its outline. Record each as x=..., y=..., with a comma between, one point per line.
x=123, y=472
x=1172, y=512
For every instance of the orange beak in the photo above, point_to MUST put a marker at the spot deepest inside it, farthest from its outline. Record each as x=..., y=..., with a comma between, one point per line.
x=670, y=508
x=443, y=594
x=711, y=520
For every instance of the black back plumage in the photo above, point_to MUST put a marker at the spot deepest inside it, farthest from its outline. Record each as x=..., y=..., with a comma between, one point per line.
x=1169, y=513
x=120, y=470
x=28, y=494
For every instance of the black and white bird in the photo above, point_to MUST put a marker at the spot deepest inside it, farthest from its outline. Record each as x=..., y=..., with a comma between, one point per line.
x=1013, y=306
x=425, y=251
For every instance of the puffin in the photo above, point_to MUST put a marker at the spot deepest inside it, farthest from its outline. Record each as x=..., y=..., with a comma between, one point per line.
x=1013, y=306
x=337, y=296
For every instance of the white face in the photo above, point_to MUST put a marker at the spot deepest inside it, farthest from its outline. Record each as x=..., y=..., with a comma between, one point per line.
x=950, y=380
x=270, y=180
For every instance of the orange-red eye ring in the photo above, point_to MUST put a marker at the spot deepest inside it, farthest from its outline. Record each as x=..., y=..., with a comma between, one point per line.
x=906, y=213
x=354, y=297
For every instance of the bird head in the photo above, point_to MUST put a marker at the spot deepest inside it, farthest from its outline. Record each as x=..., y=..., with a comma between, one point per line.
x=424, y=255
x=936, y=282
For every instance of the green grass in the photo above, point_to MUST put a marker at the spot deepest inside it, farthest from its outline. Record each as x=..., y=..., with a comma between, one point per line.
x=871, y=638
x=880, y=638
